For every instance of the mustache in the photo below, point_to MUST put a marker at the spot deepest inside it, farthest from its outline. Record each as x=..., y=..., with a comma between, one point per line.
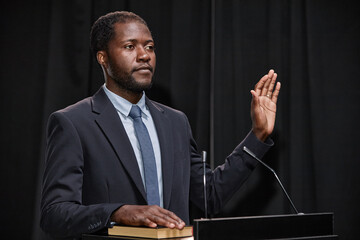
x=145, y=66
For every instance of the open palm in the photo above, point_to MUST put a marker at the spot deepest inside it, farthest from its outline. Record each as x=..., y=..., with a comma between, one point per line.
x=263, y=105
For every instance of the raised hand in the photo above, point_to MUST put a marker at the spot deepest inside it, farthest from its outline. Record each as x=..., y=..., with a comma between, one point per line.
x=145, y=215
x=263, y=105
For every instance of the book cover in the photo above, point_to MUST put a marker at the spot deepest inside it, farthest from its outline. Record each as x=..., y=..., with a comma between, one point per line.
x=145, y=232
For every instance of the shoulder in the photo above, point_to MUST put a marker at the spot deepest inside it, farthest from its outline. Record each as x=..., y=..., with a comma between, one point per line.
x=80, y=108
x=69, y=117
x=92, y=105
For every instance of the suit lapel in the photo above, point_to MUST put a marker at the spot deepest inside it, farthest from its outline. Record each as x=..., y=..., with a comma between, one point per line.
x=164, y=132
x=109, y=122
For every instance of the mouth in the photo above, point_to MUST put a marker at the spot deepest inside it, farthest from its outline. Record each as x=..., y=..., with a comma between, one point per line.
x=143, y=69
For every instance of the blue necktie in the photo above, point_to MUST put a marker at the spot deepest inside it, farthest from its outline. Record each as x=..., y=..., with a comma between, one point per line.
x=148, y=157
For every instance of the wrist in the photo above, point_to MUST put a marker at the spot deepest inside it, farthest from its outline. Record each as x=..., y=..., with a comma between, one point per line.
x=261, y=135
x=115, y=216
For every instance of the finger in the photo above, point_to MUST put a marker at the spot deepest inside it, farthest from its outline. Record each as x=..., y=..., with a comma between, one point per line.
x=260, y=84
x=166, y=218
x=165, y=221
x=271, y=86
x=147, y=222
x=173, y=218
x=162, y=220
x=276, y=92
x=149, y=216
x=264, y=90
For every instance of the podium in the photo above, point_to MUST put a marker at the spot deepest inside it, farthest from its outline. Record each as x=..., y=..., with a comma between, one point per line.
x=293, y=226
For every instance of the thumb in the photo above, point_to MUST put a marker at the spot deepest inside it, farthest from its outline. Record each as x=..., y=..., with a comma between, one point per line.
x=255, y=98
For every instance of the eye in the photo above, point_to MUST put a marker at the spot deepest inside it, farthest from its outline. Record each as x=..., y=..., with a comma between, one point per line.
x=150, y=47
x=129, y=47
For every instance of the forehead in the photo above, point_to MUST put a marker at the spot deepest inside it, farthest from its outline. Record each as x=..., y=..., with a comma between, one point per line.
x=131, y=31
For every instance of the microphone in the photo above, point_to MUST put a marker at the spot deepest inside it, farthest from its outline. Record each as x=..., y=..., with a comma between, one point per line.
x=264, y=164
x=203, y=157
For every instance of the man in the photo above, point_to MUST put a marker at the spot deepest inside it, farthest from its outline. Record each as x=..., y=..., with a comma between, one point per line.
x=96, y=172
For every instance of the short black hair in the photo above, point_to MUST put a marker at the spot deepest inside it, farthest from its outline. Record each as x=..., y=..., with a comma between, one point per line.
x=102, y=30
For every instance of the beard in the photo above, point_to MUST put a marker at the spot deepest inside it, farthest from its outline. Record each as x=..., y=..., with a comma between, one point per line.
x=126, y=81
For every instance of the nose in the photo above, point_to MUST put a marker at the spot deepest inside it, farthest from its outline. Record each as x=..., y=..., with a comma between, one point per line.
x=143, y=55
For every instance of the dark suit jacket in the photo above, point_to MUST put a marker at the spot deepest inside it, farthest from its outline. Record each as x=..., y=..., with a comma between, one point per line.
x=91, y=168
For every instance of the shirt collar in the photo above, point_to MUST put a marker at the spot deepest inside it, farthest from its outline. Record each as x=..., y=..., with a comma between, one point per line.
x=124, y=106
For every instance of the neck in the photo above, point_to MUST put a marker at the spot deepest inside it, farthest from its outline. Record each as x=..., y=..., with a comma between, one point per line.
x=133, y=97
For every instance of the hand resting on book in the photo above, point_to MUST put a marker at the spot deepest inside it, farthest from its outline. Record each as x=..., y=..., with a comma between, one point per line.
x=144, y=215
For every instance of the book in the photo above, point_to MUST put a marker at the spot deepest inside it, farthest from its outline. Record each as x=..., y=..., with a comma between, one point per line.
x=146, y=232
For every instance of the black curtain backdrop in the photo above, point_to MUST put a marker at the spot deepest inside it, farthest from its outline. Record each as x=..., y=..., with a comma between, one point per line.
x=209, y=55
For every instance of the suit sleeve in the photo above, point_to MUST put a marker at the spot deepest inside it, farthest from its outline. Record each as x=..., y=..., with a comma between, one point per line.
x=226, y=179
x=62, y=211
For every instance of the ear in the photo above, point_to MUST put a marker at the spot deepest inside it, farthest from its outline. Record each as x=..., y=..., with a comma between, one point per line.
x=102, y=58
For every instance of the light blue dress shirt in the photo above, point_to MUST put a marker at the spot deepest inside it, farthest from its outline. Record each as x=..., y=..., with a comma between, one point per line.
x=123, y=108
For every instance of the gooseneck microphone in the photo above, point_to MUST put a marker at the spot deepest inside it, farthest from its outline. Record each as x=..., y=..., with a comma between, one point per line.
x=264, y=164
x=203, y=158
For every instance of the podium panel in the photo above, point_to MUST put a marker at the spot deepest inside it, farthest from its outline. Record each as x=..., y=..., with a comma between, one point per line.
x=295, y=226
